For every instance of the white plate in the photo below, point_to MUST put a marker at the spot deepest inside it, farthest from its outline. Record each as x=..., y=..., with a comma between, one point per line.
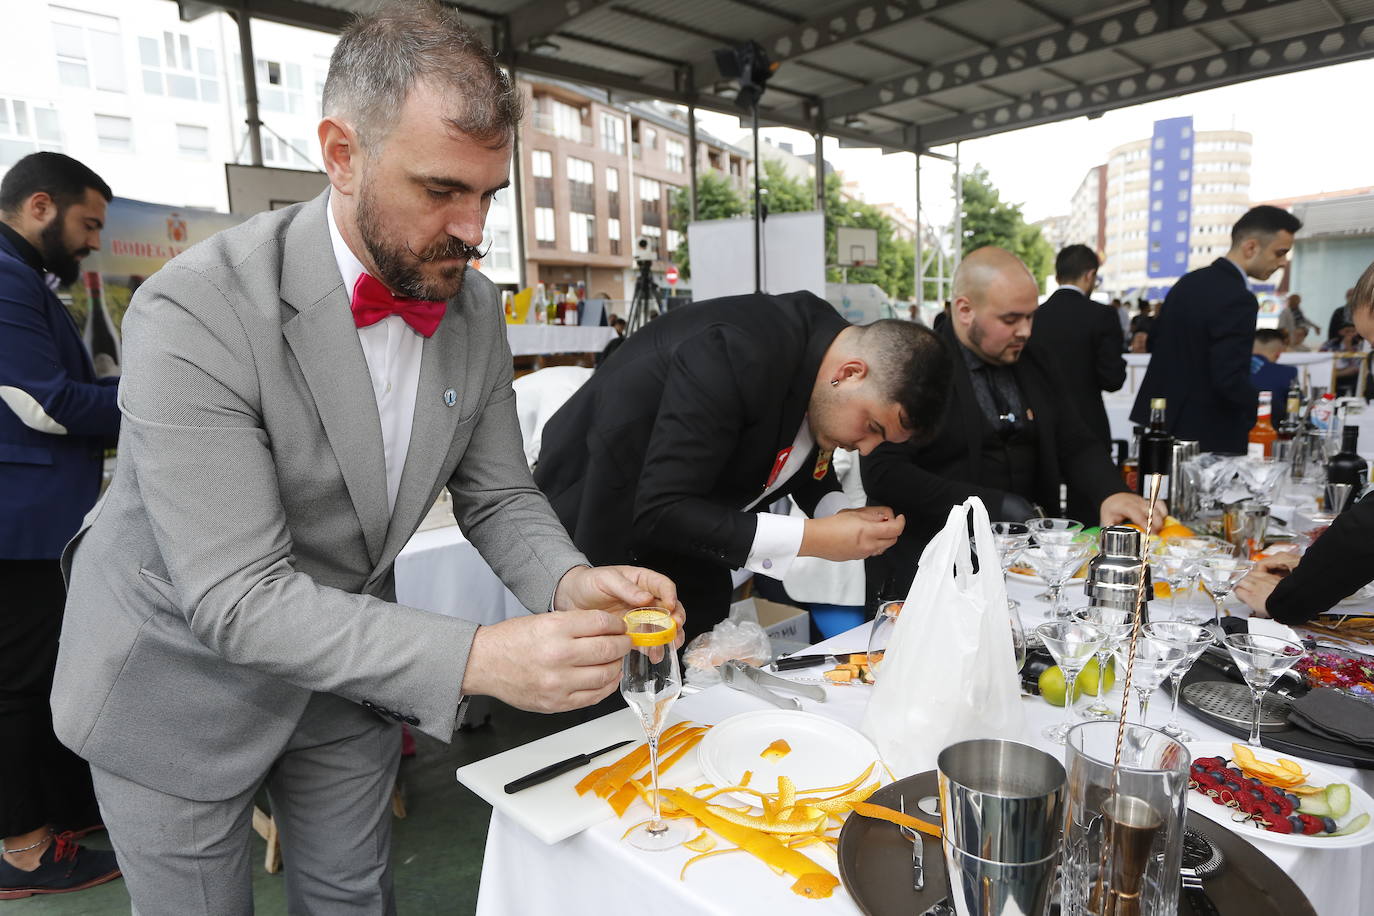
x=1033, y=579
x=824, y=752
x=1360, y=802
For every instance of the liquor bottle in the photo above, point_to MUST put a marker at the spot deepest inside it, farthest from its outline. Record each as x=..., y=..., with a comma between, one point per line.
x=1156, y=451
x=1322, y=412
x=1346, y=466
x=570, y=308
x=540, y=307
x=1130, y=467
x=1291, y=424
x=1262, y=434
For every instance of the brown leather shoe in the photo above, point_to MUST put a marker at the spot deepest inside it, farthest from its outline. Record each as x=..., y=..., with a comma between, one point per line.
x=64, y=867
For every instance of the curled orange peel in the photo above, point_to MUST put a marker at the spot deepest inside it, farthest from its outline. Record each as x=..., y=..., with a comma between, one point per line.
x=651, y=617
x=882, y=813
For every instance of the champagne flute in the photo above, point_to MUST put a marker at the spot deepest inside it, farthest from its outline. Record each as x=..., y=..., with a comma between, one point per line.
x=1221, y=575
x=1195, y=639
x=650, y=682
x=1116, y=626
x=1261, y=660
x=1155, y=658
x=1072, y=643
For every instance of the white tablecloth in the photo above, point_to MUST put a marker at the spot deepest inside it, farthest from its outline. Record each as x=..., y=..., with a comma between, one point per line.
x=595, y=872
x=440, y=571
x=537, y=339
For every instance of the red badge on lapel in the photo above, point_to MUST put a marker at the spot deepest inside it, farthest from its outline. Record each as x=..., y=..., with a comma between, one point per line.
x=822, y=463
x=778, y=462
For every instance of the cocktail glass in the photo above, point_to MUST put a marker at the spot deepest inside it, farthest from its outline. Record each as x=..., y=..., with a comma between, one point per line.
x=1155, y=658
x=1072, y=643
x=1261, y=660
x=1115, y=626
x=1194, y=639
x=1221, y=575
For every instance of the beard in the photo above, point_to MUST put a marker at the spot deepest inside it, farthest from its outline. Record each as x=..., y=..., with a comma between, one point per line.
x=399, y=267
x=60, y=261
x=976, y=337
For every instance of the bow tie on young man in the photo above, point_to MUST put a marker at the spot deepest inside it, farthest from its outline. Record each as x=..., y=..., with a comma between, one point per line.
x=372, y=302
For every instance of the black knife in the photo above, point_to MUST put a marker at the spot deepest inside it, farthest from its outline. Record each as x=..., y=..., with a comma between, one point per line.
x=559, y=768
x=792, y=662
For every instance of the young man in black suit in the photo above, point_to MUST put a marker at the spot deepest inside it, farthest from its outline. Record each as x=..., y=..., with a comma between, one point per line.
x=1082, y=338
x=1342, y=559
x=1007, y=438
x=1201, y=341
x=674, y=449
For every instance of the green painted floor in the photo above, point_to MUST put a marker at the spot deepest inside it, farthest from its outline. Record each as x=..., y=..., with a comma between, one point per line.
x=437, y=848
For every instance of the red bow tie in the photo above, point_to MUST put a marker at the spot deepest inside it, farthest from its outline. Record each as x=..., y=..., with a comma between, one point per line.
x=372, y=302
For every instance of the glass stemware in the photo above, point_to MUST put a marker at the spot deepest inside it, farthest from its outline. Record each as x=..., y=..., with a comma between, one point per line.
x=1170, y=569
x=1011, y=538
x=1072, y=643
x=1155, y=658
x=1221, y=575
x=1056, y=561
x=1115, y=626
x=879, y=634
x=1261, y=660
x=1194, y=639
x=1191, y=551
x=650, y=682
x=1018, y=633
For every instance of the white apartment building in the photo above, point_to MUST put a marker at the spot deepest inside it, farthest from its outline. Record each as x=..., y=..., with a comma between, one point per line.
x=1087, y=212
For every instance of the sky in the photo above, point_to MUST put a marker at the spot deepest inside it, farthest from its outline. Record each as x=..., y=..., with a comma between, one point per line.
x=1309, y=136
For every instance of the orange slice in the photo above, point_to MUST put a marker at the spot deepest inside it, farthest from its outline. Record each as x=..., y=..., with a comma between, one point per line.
x=777, y=750
x=651, y=617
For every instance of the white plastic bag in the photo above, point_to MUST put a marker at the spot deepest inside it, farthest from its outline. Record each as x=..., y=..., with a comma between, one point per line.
x=949, y=672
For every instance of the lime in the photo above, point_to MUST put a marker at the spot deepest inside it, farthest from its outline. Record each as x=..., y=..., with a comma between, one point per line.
x=1088, y=679
x=1052, y=686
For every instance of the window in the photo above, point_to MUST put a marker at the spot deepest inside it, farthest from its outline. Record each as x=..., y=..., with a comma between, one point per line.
x=613, y=233
x=541, y=163
x=582, y=232
x=650, y=208
x=1183, y=195
x=544, y=233
x=114, y=133
x=677, y=155
x=580, y=170
x=280, y=86
x=27, y=128
x=193, y=141
x=674, y=240
x=613, y=179
x=613, y=134
x=1184, y=175
x=89, y=54
x=169, y=68
x=276, y=151
x=581, y=190
x=649, y=190
x=650, y=137
x=567, y=121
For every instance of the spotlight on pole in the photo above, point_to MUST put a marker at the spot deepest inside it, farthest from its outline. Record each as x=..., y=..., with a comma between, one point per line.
x=750, y=66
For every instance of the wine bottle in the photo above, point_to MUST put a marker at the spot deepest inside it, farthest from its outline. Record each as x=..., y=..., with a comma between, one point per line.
x=1156, y=450
x=1262, y=435
x=1346, y=466
x=1291, y=424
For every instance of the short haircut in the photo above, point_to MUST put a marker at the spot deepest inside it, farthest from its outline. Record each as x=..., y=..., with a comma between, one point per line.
x=911, y=366
x=1362, y=296
x=1263, y=222
x=381, y=56
x=63, y=178
x=1074, y=261
x=1268, y=336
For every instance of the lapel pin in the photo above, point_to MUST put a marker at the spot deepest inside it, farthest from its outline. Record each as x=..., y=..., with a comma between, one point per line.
x=450, y=397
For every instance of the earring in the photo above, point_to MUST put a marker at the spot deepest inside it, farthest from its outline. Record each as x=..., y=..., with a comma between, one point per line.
x=834, y=382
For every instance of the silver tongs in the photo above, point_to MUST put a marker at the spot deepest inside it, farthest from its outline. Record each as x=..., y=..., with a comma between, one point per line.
x=748, y=679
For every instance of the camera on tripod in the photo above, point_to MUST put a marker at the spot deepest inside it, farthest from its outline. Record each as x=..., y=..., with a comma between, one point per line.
x=646, y=249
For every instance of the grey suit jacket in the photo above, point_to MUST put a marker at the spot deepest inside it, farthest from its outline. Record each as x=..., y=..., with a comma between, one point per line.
x=242, y=557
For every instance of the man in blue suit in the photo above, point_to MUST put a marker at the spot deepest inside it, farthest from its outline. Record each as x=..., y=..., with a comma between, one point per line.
x=56, y=418
x=1200, y=344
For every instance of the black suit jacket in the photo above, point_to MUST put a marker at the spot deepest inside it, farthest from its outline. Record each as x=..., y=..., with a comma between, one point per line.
x=1335, y=567
x=652, y=461
x=923, y=482
x=1082, y=338
x=1200, y=359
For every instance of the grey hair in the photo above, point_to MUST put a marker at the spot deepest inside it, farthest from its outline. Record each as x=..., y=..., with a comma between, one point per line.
x=381, y=56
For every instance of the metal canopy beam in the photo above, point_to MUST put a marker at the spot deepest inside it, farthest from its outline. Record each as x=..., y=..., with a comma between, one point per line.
x=1300, y=52
x=540, y=19
x=1096, y=34
x=858, y=19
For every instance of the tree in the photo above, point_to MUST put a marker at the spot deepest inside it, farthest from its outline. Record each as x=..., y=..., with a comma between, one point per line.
x=989, y=220
x=716, y=199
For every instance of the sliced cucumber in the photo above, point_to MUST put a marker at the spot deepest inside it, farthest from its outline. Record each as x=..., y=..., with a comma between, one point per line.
x=1355, y=826
x=1317, y=805
x=1338, y=799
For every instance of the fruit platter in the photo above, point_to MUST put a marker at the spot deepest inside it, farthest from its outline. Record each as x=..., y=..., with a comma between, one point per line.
x=1262, y=795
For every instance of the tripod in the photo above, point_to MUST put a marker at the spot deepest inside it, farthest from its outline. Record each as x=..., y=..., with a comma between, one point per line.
x=647, y=301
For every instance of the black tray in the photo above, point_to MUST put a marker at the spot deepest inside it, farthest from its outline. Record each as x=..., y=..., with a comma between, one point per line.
x=1289, y=740
x=875, y=865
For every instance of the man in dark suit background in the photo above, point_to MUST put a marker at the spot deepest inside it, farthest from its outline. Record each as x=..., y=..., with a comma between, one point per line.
x=1083, y=339
x=56, y=418
x=1201, y=342
x=1007, y=438
x=673, y=450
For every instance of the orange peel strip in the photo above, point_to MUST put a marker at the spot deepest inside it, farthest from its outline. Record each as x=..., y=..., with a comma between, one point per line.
x=896, y=817
x=841, y=803
x=691, y=742
x=614, y=778
x=586, y=782
x=702, y=842
x=765, y=824
x=666, y=633
x=847, y=787
x=812, y=880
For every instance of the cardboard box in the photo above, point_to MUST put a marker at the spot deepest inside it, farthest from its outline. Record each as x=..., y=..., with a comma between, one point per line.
x=780, y=621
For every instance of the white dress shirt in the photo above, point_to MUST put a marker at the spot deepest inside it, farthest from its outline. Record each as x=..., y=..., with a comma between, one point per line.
x=392, y=349
x=777, y=539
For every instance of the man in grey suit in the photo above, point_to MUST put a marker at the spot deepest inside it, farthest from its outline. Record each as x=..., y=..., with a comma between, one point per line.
x=231, y=619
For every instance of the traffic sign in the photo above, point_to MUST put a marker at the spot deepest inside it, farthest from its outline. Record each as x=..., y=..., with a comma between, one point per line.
x=671, y=275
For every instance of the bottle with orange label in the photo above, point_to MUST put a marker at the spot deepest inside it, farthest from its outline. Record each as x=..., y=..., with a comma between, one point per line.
x=1262, y=434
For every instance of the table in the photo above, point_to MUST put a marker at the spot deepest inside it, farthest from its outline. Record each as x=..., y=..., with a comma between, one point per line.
x=595, y=872
x=540, y=339
x=439, y=570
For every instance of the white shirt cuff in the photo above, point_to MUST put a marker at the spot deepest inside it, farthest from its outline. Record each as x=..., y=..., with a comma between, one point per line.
x=777, y=539
x=830, y=503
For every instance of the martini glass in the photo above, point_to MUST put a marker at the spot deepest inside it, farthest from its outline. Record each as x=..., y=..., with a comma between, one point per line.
x=1261, y=660
x=1056, y=564
x=1194, y=639
x=1011, y=538
x=1155, y=658
x=1116, y=627
x=1221, y=575
x=1072, y=643
x=1191, y=551
x=650, y=681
